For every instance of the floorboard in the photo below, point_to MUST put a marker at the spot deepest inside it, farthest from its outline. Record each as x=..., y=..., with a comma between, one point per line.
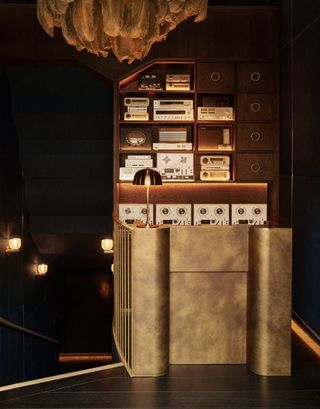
x=186, y=386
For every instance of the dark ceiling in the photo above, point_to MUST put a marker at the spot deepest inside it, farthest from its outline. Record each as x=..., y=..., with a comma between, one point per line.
x=210, y=2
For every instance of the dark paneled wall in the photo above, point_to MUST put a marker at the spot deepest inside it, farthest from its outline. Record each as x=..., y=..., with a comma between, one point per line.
x=300, y=113
x=64, y=118
x=25, y=300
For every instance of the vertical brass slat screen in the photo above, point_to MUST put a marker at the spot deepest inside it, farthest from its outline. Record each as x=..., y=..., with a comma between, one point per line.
x=122, y=321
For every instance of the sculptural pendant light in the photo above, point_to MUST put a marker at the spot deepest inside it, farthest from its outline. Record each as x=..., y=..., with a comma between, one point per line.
x=128, y=28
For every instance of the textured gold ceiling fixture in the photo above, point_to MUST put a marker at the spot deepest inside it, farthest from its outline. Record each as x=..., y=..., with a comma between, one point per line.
x=128, y=28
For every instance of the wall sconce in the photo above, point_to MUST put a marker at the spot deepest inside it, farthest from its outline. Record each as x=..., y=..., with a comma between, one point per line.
x=14, y=245
x=107, y=245
x=42, y=269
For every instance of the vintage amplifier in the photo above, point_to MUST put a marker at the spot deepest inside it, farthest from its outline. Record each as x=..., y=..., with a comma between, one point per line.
x=178, y=78
x=136, y=116
x=132, y=212
x=176, y=214
x=169, y=114
x=177, y=86
x=214, y=137
x=136, y=101
x=134, y=109
x=135, y=138
x=150, y=82
x=216, y=214
x=127, y=174
x=158, y=146
x=215, y=175
x=215, y=162
x=248, y=213
x=175, y=166
x=139, y=162
x=173, y=103
x=173, y=134
x=216, y=101
x=215, y=113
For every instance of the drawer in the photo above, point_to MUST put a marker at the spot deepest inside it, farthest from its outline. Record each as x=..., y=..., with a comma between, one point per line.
x=255, y=137
x=254, y=167
x=255, y=107
x=255, y=77
x=215, y=77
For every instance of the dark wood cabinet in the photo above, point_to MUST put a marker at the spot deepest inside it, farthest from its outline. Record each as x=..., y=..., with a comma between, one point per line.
x=255, y=107
x=255, y=136
x=254, y=167
x=255, y=77
x=217, y=77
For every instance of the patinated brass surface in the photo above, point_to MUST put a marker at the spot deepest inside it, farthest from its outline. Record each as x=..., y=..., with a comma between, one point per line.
x=209, y=248
x=150, y=301
x=269, y=302
x=208, y=318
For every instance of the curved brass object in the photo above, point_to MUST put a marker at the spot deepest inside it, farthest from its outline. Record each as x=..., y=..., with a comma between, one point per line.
x=269, y=301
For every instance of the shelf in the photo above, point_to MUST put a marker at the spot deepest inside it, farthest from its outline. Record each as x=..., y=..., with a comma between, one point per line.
x=152, y=92
x=151, y=122
x=219, y=152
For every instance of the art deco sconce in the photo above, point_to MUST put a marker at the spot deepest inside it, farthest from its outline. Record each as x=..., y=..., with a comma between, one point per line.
x=107, y=245
x=14, y=245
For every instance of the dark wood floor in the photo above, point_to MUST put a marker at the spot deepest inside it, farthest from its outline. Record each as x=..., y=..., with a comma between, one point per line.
x=200, y=386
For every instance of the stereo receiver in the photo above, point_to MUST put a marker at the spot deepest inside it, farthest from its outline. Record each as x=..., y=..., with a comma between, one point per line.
x=215, y=114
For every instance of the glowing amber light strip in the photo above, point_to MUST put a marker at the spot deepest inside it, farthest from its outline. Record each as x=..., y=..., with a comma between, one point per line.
x=305, y=337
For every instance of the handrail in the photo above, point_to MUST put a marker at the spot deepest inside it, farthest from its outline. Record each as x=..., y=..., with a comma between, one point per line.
x=24, y=330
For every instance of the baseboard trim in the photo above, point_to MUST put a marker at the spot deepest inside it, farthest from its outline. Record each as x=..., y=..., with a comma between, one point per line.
x=57, y=377
x=306, y=327
x=305, y=337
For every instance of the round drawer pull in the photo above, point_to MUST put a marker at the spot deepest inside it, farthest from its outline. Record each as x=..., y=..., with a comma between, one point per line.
x=255, y=76
x=215, y=76
x=255, y=136
x=255, y=167
x=255, y=107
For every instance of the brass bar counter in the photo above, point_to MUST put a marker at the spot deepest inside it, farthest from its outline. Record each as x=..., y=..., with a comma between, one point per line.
x=269, y=302
x=210, y=295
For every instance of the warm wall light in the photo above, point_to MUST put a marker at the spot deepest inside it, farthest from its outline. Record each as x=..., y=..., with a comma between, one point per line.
x=14, y=245
x=42, y=269
x=107, y=245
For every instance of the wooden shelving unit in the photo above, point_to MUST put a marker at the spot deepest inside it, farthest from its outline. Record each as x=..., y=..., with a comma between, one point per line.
x=250, y=88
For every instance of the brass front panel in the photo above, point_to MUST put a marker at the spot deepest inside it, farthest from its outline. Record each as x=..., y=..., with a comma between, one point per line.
x=208, y=318
x=208, y=248
x=150, y=301
x=269, y=302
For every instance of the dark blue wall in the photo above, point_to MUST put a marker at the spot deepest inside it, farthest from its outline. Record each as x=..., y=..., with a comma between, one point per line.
x=300, y=116
x=63, y=115
x=25, y=300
